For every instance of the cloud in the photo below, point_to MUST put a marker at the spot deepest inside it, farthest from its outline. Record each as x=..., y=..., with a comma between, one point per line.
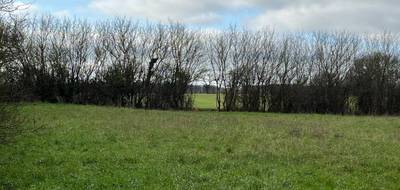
x=193, y=12
x=356, y=15
x=26, y=8
x=352, y=15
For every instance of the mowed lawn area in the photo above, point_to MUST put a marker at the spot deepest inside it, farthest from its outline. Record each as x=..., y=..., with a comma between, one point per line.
x=92, y=147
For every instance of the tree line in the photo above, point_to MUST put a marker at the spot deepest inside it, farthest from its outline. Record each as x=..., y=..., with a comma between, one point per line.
x=118, y=62
x=127, y=63
x=318, y=72
x=9, y=118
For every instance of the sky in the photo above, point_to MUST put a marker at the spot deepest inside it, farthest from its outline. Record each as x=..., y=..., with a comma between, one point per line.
x=286, y=15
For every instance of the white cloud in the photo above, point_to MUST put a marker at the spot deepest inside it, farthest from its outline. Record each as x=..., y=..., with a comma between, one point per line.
x=195, y=12
x=26, y=8
x=353, y=15
x=356, y=16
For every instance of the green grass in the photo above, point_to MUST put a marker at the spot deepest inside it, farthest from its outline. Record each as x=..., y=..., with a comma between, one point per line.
x=205, y=101
x=90, y=147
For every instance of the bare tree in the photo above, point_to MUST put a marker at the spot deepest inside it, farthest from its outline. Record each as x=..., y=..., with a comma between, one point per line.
x=156, y=42
x=126, y=63
x=8, y=6
x=266, y=67
x=249, y=84
x=374, y=76
x=186, y=58
x=218, y=48
x=10, y=39
x=333, y=55
x=122, y=48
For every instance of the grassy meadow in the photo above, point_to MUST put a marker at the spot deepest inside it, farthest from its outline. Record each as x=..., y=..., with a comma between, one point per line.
x=92, y=147
x=205, y=101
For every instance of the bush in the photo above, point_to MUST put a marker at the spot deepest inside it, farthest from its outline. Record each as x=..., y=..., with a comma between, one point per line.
x=352, y=105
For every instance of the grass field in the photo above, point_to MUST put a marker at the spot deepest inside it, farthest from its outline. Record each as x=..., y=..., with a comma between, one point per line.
x=90, y=147
x=205, y=101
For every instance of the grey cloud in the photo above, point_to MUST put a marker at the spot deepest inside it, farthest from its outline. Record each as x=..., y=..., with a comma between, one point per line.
x=356, y=15
x=353, y=15
x=195, y=12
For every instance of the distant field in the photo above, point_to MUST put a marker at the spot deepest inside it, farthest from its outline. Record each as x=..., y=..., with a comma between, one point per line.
x=205, y=101
x=90, y=147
